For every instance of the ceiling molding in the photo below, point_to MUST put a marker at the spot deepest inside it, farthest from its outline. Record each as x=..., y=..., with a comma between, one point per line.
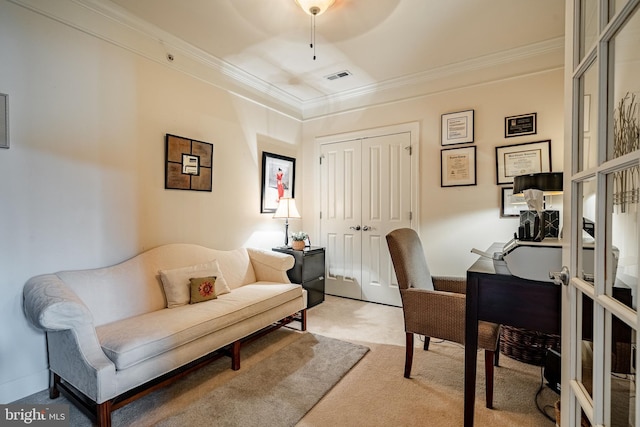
x=113, y=24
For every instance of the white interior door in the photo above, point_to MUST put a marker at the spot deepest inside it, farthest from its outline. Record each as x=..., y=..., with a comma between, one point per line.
x=386, y=205
x=366, y=191
x=340, y=207
x=600, y=316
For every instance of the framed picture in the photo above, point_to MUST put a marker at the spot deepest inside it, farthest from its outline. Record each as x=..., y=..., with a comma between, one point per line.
x=189, y=164
x=4, y=120
x=510, y=205
x=457, y=128
x=521, y=159
x=524, y=124
x=278, y=179
x=458, y=167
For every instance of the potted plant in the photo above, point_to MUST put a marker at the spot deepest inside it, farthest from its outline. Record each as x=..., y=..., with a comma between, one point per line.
x=298, y=239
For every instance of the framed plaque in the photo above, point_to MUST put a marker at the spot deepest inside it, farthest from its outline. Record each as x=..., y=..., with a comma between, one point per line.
x=525, y=124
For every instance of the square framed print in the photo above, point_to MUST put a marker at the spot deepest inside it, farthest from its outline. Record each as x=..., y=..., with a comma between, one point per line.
x=189, y=164
x=521, y=159
x=457, y=128
x=278, y=179
x=458, y=167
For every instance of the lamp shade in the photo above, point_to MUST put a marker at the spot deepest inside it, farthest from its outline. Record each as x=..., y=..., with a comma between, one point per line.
x=548, y=182
x=287, y=209
x=315, y=7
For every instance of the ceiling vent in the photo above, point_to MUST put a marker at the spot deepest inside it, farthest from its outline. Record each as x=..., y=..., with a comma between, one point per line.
x=338, y=75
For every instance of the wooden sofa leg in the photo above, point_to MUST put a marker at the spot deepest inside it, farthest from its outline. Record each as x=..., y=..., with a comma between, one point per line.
x=303, y=319
x=408, y=361
x=427, y=340
x=54, y=393
x=235, y=355
x=103, y=414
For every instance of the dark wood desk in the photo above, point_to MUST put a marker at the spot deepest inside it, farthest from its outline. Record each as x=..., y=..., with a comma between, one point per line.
x=507, y=300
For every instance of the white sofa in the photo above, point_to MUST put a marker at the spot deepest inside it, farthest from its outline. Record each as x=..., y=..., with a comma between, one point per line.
x=110, y=332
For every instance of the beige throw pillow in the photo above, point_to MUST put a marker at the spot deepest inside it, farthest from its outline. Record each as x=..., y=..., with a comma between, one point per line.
x=176, y=282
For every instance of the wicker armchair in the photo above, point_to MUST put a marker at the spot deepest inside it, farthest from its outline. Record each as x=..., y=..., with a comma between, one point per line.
x=435, y=306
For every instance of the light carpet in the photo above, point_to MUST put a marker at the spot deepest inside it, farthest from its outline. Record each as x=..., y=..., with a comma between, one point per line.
x=283, y=375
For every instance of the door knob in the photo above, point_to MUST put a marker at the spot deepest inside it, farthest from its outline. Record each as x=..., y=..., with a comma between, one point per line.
x=366, y=228
x=560, y=277
x=357, y=228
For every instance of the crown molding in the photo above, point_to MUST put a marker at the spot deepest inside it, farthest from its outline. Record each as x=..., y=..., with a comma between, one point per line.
x=114, y=25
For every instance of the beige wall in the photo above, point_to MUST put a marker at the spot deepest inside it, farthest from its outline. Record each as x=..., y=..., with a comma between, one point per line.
x=454, y=220
x=83, y=182
x=82, y=185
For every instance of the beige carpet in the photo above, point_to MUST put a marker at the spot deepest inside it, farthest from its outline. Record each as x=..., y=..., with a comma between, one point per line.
x=375, y=392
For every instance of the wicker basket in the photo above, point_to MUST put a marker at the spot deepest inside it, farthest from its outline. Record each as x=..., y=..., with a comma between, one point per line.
x=527, y=346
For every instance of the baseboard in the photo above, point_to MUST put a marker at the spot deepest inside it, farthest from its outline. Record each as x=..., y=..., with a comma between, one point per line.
x=23, y=387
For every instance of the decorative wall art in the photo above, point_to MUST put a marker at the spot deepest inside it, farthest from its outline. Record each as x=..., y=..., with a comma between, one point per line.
x=521, y=159
x=524, y=124
x=457, y=128
x=4, y=120
x=278, y=179
x=458, y=167
x=189, y=164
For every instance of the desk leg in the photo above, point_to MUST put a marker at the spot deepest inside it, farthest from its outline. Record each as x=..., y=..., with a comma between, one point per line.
x=470, y=350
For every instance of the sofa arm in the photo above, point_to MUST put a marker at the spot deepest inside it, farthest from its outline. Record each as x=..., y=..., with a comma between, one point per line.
x=270, y=266
x=51, y=305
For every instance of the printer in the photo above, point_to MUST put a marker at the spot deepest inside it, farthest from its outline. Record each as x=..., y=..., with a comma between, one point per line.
x=534, y=260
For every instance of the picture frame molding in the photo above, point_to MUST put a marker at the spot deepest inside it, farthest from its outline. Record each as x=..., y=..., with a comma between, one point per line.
x=520, y=159
x=268, y=189
x=466, y=170
x=457, y=128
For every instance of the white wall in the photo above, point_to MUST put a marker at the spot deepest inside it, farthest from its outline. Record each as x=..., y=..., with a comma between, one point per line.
x=82, y=185
x=454, y=220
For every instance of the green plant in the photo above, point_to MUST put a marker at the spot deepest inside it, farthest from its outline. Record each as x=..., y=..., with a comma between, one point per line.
x=299, y=235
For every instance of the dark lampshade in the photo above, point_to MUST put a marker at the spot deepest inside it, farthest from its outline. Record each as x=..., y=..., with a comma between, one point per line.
x=548, y=182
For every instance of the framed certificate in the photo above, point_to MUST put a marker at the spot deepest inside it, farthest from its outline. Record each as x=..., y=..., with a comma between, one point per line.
x=522, y=159
x=525, y=124
x=457, y=128
x=458, y=167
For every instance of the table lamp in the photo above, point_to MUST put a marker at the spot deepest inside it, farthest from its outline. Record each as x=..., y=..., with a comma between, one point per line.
x=286, y=209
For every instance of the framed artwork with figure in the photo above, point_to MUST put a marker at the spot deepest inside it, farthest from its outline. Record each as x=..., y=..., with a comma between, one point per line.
x=278, y=179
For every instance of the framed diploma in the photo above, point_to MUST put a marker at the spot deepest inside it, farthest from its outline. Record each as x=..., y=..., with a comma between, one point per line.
x=511, y=205
x=525, y=124
x=457, y=128
x=521, y=159
x=458, y=167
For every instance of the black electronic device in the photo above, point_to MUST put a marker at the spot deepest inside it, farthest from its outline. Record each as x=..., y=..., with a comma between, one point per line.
x=552, y=370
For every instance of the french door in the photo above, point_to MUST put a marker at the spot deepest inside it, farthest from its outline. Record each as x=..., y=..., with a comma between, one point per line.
x=602, y=183
x=366, y=191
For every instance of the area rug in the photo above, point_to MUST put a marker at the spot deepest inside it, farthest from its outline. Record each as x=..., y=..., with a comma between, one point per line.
x=284, y=374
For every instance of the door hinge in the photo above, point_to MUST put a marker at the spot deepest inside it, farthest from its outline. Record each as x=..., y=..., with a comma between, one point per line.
x=410, y=215
x=409, y=149
x=321, y=157
x=320, y=214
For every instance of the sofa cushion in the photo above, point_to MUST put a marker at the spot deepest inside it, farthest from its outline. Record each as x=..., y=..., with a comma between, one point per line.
x=176, y=281
x=133, y=340
x=202, y=289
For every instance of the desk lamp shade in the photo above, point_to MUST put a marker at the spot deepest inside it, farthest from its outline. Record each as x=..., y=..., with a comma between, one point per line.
x=549, y=183
x=286, y=209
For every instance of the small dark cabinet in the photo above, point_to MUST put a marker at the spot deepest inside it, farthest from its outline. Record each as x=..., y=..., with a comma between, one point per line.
x=308, y=271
